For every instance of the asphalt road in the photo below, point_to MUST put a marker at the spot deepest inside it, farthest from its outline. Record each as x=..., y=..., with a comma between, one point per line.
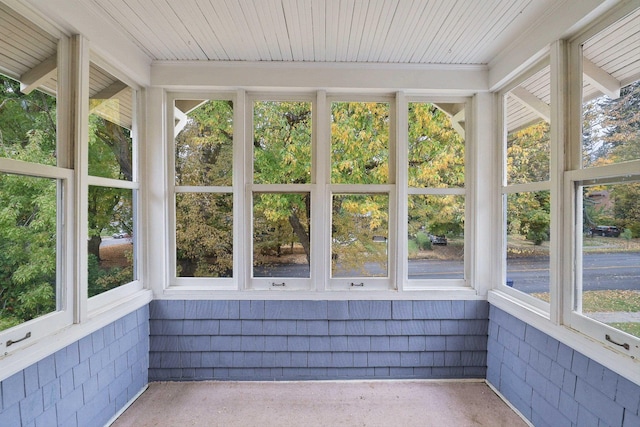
x=600, y=271
x=111, y=241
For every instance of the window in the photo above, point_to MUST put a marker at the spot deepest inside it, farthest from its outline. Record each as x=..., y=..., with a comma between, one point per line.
x=281, y=195
x=526, y=186
x=436, y=193
x=605, y=187
x=362, y=199
x=203, y=184
x=34, y=188
x=277, y=191
x=113, y=189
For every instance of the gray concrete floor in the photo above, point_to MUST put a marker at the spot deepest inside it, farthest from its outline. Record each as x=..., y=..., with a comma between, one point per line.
x=320, y=403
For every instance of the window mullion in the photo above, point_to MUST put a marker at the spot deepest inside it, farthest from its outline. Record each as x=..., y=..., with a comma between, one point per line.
x=80, y=130
x=401, y=194
x=320, y=197
x=241, y=200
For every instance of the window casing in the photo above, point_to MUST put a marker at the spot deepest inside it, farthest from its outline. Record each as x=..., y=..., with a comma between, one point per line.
x=601, y=184
x=527, y=194
x=36, y=186
x=280, y=195
x=305, y=215
x=112, y=187
x=436, y=194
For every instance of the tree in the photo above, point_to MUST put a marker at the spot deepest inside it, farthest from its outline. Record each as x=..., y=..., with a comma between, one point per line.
x=528, y=150
x=28, y=206
x=436, y=160
x=282, y=155
x=204, y=221
x=611, y=134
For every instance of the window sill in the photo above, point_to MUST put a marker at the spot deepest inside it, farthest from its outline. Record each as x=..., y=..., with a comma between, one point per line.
x=213, y=292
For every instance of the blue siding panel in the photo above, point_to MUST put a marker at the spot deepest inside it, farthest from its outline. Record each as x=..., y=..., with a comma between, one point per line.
x=77, y=384
x=318, y=339
x=552, y=384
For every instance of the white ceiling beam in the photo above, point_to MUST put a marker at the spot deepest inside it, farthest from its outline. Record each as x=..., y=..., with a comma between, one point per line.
x=188, y=105
x=110, y=92
x=532, y=103
x=564, y=18
x=39, y=74
x=455, y=79
x=602, y=80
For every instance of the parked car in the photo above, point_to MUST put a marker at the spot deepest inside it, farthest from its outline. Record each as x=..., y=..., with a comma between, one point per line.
x=605, y=231
x=120, y=235
x=438, y=240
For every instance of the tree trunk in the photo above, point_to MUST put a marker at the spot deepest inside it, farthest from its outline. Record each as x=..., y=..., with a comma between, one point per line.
x=302, y=234
x=94, y=246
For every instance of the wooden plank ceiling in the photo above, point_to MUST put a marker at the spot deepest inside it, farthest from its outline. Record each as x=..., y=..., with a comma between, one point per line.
x=374, y=31
x=448, y=32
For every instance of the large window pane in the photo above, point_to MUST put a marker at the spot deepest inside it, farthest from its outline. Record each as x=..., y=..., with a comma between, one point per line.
x=281, y=142
x=204, y=142
x=609, y=289
x=359, y=235
x=436, y=237
x=111, y=108
x=527, y=120
x=27, y=124
x=611, y=128
x=611, y=122
x=204, y=235
x=111, y=213
x=527, y=234
x=359, y=142
x=28, y=238
x=281, y=235
x=436, y=145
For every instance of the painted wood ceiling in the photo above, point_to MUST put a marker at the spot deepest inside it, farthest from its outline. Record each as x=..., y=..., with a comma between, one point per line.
x=449, y=32
x=371, y=31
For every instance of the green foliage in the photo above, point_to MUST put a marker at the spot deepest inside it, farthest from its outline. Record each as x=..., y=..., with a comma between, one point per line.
x=25, y=119
x=412, y=247
x=359, y=143
x=282, y=142
x=423, y=241
x=528, y=153
x=204, y=221
x=436, y=149
x=102, y=279
x=528, y=214
x=537, y=226
x=28, y=207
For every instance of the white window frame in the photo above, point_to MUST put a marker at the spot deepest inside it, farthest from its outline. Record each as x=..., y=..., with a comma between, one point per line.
x=207, y=283
x=506, y=189
x=356, y=283
x=25, y=334
x=404, y=191
x=610, y=338
x=321, y=191
x=104, y=301
x=277, y=283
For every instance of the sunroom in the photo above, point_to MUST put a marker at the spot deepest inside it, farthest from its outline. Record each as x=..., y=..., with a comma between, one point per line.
x=319, y=190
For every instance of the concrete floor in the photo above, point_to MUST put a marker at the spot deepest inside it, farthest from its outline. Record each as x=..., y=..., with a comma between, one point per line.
x=319, y=403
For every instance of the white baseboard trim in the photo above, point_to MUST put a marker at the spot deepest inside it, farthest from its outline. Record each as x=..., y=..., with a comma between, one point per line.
x=125, y=407
x=513, y=408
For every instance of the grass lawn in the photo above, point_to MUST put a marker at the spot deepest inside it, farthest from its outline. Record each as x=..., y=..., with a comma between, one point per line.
x=630, y=328
x=609, y=301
